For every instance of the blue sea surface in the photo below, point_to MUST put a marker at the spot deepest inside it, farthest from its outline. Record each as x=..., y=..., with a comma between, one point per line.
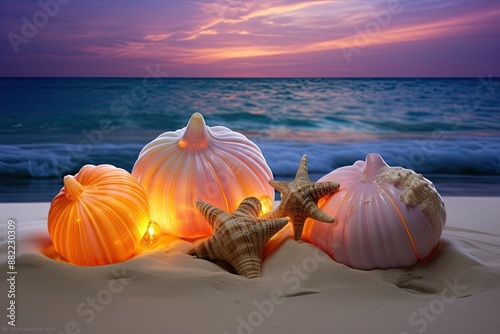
x=446, y=129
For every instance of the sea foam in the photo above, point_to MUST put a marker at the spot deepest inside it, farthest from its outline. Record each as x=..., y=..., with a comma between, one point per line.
x=466, y=156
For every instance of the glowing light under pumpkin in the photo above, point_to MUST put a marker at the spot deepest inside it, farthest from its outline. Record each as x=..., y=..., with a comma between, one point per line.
x=267, y=204
x=153, y=234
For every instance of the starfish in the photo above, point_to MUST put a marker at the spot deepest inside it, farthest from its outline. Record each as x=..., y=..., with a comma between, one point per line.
x=238, y=238
x=299, y=199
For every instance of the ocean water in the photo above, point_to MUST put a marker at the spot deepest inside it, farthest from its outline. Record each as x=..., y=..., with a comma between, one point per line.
x=446, y=129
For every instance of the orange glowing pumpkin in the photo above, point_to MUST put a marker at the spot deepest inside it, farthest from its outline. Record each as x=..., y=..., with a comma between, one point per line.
x=99, y=216
x=211, y=164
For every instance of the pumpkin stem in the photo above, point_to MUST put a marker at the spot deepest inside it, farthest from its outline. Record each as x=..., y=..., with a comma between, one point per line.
x=374, y=163
x=196, y=134
x=73, y=188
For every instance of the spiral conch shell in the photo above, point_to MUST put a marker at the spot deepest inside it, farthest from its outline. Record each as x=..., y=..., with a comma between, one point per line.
x=211, y=164
x=384, y=216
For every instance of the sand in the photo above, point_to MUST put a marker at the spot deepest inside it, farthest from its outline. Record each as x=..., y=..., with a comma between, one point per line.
x=302, y=290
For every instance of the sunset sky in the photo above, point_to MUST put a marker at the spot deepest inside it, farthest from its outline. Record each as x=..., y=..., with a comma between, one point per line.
x=251, y=38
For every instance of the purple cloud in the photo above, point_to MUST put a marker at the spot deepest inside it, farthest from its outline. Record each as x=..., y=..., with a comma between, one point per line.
x=224, y=38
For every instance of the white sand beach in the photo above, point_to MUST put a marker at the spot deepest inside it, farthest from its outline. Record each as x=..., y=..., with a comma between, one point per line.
x=163, y=290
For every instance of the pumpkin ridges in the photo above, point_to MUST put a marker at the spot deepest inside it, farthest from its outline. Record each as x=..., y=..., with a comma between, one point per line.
x=120, y=213
x=393, y=228
x=95, y=234
x=229, y=169
x=105, y=223
x=216, y=172
x=348, y=229
x=106, y=235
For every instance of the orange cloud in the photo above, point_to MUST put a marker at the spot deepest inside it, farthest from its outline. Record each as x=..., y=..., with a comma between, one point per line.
x=276, y=10
x=245, y=46
x=126, y=49
x=159, y=37
x=259, y=12
x=387, y=35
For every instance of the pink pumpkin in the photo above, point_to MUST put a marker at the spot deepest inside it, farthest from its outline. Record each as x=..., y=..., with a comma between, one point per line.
x=384, y=216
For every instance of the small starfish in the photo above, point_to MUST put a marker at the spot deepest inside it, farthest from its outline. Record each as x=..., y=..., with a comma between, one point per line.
x=238, y=238
x=299, y=199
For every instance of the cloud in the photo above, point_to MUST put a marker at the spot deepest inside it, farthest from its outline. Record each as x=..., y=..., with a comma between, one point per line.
x=251, y=36
x=157, y=37
x=284, y=9
x=429, y=30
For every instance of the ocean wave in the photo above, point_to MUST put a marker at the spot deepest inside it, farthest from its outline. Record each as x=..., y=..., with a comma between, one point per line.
x=462, y=156
x=466, y=156
x=56, y=160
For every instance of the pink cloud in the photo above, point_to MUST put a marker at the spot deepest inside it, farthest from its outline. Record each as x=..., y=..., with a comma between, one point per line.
x=253, y=38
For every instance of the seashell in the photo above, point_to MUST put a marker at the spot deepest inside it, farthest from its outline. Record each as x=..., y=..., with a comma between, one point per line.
x=212, y=164
x=99, y=216
x=384, y=216
x=239, y=238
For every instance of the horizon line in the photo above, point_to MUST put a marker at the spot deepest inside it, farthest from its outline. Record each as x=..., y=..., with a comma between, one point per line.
x=250, y=78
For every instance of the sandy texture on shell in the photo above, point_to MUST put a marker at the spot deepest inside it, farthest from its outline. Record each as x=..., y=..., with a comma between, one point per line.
x=416, y=190
x=302, y=290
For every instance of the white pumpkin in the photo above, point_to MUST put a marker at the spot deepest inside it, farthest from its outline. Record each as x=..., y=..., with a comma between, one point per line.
x=211, y=164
